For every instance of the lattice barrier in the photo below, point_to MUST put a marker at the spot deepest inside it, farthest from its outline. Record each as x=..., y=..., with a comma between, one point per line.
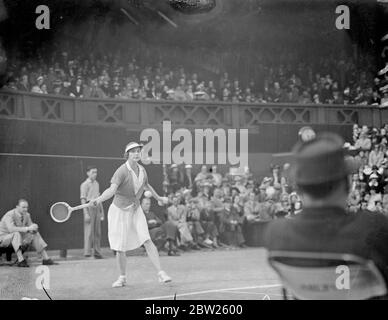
x=192, y=114
x=254, y=115
x=110, y=113
x=51, y=109
x=8, y=105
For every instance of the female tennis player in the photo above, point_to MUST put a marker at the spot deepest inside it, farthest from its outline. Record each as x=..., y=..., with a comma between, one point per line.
x=127, y=225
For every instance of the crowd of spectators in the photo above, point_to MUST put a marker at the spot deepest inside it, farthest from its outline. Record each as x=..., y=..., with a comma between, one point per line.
x=369, y=187
x=135, y=75
x=211, y=210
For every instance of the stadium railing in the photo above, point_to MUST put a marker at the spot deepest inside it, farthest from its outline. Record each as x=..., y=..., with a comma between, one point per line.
x=195, y=114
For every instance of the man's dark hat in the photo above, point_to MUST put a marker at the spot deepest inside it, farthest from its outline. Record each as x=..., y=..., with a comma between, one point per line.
x=321, y=160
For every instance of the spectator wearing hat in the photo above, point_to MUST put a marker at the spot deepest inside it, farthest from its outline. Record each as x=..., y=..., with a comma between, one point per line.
x=231, y=225
x=321, y=171
x=37, y=87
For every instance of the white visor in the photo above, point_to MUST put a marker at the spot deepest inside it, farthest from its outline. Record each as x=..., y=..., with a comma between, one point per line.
x=133, y=145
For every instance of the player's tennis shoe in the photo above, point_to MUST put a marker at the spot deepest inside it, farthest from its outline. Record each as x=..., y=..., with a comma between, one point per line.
x=163, y=277
x=120, y=282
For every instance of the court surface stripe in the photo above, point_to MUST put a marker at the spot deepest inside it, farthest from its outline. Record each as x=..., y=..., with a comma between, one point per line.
x=211, y=291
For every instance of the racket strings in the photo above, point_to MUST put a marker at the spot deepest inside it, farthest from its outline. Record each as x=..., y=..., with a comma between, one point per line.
x=60, y=212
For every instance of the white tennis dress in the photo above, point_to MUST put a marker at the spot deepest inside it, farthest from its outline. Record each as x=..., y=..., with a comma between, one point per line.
x=127, y=228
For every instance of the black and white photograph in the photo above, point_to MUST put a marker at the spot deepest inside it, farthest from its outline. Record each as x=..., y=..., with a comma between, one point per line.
x=217, y=151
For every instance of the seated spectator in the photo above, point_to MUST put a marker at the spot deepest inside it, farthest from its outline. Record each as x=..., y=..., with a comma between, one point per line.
x=276, y=177
x=379, y=207
x=217, y=204
x=160, y=232
x=354, y=200
x=177, y=214
x=231, y=226
x=373, y=199
x=201, y=176
x=18, y=230
x=217, y=177
x=305, y=98
x=240, y=184
x=284, y=208
x=24, y=84
x=252, y=209
x=316, y=99
x=376, y=156
x=174, y=178
x=384, y=100
x=238, y=204
x=337, y=97
x=93, y=91
x=205, y=190
x=375, y=99
x=37, y=87
x=208, y=222
x=77, y=90
x=362, y=158
x=363, y=142
x=270, y=206
x=194, y=223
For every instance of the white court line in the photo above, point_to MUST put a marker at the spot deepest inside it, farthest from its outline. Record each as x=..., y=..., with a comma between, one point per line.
x=260, y=293
x=211, y=291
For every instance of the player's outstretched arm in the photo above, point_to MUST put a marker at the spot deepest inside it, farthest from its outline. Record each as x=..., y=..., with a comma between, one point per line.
x=106, y=195
x=161, y=200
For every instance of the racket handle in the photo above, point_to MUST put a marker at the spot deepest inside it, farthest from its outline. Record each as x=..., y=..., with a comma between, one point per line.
x=82, y=206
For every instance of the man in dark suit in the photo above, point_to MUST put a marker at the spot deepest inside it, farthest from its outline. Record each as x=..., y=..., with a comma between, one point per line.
x=321, y=175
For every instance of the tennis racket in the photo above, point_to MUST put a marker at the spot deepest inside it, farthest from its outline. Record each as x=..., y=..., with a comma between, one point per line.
x=61, y=211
